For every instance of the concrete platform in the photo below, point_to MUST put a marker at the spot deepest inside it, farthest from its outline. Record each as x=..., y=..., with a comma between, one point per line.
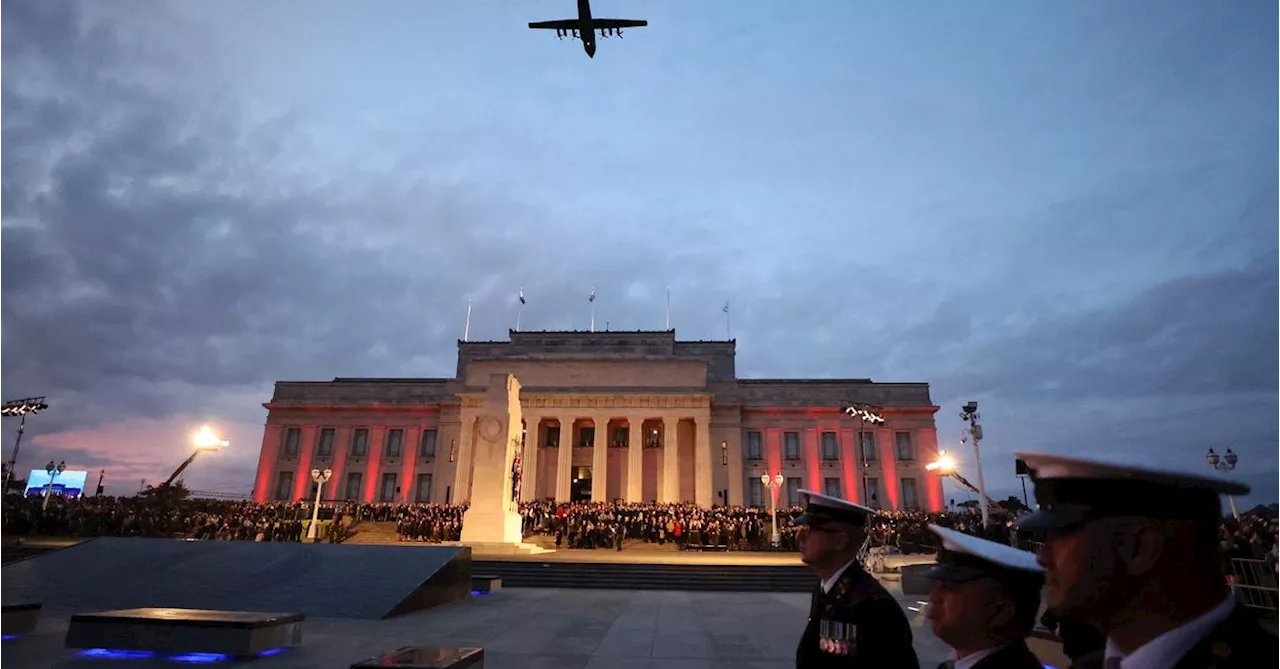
x=427, y=658
x=186, y=631
x=19, y=619
x=314, y=579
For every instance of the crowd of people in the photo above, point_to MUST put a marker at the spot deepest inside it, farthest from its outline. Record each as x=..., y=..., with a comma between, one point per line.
x=205, y=519
x=584, y=525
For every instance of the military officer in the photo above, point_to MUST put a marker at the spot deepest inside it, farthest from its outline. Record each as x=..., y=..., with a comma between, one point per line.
x=984, y=602
x=1134, y=552
x=853, y=621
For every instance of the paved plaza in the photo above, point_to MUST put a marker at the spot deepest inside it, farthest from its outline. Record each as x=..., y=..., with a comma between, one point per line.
x=538, y=628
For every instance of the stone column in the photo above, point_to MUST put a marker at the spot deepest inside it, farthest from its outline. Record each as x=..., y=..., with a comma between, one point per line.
x=302, y=479
x=462, y=464
x=737, y=472
x=635, y=459
x=564, y=460
x=272, y=442
x=812, y=459
x=600, y=460
x=529, y=460
x=670, y=467
x=705, y=459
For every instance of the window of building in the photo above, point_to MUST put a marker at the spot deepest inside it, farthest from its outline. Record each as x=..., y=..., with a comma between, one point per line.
x=831, y=487
x=830, y=447
x=621, y=437
x=873, y=492
x=906, y=450
x=791, y=445
x=324, y=446
x=653, y=438
x=867, y=443
x=360, y=441
x=793, y=491
x=423, y=493
x=394, y=440
x=284, y=486
x=755, y=446
x=910, y=498
x=553, y=437
x=388, y=488
x=586, y=437
x=428, y=446
x=291, y=438
x=756, y=491
x=355, y=485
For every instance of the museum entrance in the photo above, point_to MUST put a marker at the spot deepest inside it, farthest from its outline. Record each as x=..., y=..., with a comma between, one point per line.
x=580, y=489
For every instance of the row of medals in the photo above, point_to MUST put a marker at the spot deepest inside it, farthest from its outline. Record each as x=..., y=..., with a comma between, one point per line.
x=836, y=637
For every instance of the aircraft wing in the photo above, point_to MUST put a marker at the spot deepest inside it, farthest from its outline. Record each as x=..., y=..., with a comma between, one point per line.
x=566, y=24
x=607, y=24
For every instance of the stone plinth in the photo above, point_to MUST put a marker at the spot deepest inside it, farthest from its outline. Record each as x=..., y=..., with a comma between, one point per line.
x=492, y=517
x=234, y=633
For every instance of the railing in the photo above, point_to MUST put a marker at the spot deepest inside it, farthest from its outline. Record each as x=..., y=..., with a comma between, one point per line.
x=1255, y=583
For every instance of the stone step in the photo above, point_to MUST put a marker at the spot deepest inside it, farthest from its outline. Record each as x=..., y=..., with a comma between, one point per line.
x=625, y=576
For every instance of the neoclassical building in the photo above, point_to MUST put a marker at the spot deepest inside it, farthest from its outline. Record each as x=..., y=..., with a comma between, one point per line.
x=632, y=416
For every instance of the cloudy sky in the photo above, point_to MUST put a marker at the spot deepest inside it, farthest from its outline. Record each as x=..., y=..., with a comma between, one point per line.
x=1066, y=211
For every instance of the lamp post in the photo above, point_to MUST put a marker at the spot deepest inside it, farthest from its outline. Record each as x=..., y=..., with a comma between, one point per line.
x=321, y=478
x=1224, y=463
x=969, y=414
x=30, y=405
x=864, y=413
x=53, y=472
x=773, y=483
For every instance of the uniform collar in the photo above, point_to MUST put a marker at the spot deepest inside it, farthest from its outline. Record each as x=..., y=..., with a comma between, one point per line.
x=830, y=583
x=1168, y=648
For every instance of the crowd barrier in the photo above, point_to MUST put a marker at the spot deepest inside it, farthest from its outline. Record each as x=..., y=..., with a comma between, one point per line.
x=1255, y=583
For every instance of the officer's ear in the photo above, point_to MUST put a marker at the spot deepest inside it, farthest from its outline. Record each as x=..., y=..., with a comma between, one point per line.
x=1139, y=543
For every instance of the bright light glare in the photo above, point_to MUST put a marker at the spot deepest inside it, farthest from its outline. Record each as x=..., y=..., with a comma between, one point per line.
x=206, y=440
x=944, y=464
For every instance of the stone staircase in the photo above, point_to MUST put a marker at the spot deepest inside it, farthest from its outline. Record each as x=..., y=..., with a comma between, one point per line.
x=625, y=576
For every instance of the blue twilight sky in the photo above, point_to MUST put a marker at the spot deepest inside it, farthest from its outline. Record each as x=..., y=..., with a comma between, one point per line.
x=1066, y=211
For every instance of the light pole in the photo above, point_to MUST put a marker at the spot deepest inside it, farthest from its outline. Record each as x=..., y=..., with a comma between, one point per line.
x=53, y=472
x=1224, y=463
x=865, y=413
x=773, y=483
x=969, y=414
x=30, y=405
x=321, y=478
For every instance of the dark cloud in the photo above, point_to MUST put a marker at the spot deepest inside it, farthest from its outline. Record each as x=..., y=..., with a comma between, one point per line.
x=169, y=252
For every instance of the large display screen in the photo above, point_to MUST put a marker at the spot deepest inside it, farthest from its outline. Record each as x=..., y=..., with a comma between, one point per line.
x=70, y=483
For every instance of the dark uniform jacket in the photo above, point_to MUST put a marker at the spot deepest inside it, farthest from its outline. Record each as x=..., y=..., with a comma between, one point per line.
x=1239, y=642
x=1013, y=656
x=882, y=639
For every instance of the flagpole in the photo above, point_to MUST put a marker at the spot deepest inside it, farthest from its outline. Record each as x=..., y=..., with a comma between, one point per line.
x=592, y=300
x=728, y=331
x=668, y=308
x=466, y=329
x=519, y=308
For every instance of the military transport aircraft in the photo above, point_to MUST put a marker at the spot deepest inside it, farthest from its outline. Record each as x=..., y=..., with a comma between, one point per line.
x=585, y=27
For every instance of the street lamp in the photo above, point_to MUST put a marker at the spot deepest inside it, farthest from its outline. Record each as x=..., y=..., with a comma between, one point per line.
x=321, y=478
x=30, y=405
x=1224, y=463
x=204, y=440
x=969, y=414
x=773, y=483
x=864, y=413
x=53, y=472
